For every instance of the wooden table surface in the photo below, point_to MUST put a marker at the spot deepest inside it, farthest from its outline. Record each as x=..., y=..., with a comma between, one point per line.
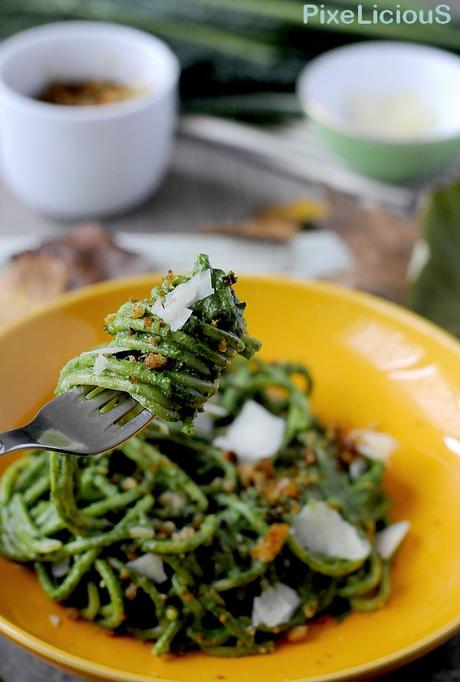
x=206, y=186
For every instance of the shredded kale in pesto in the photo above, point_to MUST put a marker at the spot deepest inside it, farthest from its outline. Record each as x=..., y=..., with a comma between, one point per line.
x=170, y=372
x=219, y=531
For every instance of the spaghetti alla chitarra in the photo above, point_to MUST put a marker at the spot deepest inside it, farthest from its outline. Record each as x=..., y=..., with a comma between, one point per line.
x=221, y=532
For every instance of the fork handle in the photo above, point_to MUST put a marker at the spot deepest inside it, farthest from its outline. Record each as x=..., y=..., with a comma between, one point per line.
x=17, y=439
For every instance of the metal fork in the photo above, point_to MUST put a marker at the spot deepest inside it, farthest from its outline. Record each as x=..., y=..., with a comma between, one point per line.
x=81, y=421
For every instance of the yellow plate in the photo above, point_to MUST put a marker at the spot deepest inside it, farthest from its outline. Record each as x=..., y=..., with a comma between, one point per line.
x=373, y=363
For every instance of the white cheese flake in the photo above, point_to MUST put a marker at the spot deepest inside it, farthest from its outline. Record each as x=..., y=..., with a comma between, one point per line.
x=373, y=444
x=195, y=289
x=106, y=350
x=175, y=309
x=60, y=568
x=389, y=539
x=356, y=468
x=100, y=364
x=204, y=421
x=274, y=606
x=255, y=434
x=215, y=409
x=173, y=314
x=203, y=424
x=322, y=530
x=55, y=620
x=150, y=566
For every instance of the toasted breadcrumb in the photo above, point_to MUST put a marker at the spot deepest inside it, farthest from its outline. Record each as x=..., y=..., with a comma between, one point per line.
x=270, y=545
x=155, y=361
x=297, y=634
x=138, y=311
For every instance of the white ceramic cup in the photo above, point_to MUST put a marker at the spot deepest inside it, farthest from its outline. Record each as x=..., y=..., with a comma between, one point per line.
x=81, y=162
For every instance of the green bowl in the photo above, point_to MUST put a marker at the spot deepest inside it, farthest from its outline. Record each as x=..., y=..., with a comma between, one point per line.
x=380, y=69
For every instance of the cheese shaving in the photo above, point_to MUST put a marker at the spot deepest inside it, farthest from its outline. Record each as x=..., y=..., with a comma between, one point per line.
x=100, y=364
x=106, y=350
x=150, y=566
x=274, y=606
x=374, y=444
x=357, y=467
x=60, y=568
x=322, y=530
x=175, y=308
x=389, y=539
x=255, y=434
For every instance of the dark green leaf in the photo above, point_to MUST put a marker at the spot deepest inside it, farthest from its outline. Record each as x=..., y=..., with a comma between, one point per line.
x=230, y=47
x=435, y=293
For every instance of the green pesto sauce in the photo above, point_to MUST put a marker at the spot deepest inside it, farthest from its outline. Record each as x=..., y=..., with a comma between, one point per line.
x=209, y=521
x=171, y=373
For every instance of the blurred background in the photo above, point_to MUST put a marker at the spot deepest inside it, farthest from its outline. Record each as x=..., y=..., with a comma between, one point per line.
x=257, y=183
x=251, y=176
x=240, y=58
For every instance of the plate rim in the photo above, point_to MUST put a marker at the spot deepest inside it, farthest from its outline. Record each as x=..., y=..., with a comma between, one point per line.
x=70, y=662
x=53, y=654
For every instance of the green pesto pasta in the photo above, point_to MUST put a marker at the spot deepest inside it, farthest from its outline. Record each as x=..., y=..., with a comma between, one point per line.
x=174, y=540
x=169, y=350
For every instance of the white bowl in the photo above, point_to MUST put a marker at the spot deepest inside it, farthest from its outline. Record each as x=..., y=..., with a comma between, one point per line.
x=381, y=73
x=72, y=161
